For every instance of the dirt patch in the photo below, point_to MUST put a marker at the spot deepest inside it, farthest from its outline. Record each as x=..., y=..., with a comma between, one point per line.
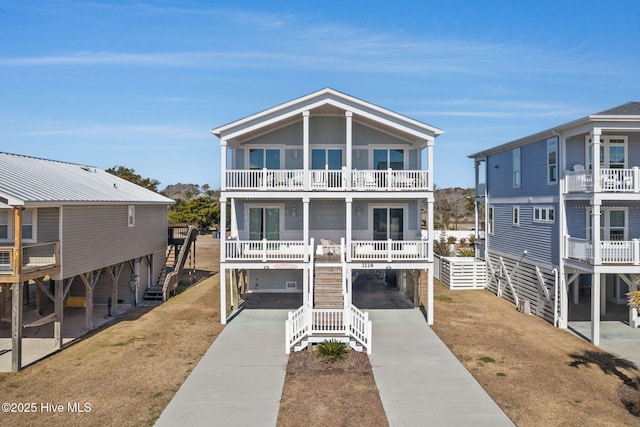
x=342, y=393
x=538, y=374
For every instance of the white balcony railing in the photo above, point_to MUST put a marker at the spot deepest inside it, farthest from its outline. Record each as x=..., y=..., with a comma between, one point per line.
x=610, y=252
x=610, y=181
x=327, y=180
x=265, y=250
x=390, y=250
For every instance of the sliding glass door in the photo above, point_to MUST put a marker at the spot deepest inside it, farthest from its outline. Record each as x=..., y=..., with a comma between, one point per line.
x=388, y=223
x=264, y=223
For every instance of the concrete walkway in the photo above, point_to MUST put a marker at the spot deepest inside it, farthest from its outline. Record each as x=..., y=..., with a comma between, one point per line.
x=421, y=383
x=238, y=382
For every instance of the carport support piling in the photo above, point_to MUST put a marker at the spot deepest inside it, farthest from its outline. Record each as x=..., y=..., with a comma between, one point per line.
x=16, y=327
x=59, y=309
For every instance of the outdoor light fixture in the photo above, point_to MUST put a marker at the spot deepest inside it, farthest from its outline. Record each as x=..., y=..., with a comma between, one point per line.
x=357, y=154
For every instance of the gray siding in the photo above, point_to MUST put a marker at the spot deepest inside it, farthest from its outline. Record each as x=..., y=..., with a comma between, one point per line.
x=48, y=224
x=272, y=281
x=291, y=135
x=98, y=236
x=576, y=150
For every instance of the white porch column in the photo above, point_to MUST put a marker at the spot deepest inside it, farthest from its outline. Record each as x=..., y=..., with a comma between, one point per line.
x=430, y=295
x=234, y=220
x=223, y=295
x=430, y=227
x=430, y=165
x=223, y=164
x=305, y=228
x=223, y=228
x=349, y=143
x=595, y=160
x=595, y=309
x=349, y=221
x=603, y=295
x=305, y=148
x=305, y=285
x=595, y=232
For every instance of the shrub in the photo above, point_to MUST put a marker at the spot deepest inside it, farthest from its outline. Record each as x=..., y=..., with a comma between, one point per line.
x=332, y=350
x=468, y=252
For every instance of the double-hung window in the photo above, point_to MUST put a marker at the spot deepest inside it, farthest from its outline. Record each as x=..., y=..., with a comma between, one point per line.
x=517, y=167
x=552, y=160
x=516, y=216
x=490, y=220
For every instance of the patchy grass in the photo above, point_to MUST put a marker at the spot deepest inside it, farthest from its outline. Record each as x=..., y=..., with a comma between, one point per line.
x=129, y=371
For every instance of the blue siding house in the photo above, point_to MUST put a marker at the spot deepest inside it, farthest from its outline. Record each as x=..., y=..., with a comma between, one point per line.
x=559, y=230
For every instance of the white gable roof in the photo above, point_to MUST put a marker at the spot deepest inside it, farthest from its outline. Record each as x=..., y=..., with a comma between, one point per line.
x=327, y=100
x=28, y=180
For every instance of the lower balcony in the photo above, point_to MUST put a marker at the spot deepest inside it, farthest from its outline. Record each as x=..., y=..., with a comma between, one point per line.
x=610, y=252
x=36, y=260
x=296, y=250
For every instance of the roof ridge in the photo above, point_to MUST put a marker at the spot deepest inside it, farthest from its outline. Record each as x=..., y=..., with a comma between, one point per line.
x=47, y=160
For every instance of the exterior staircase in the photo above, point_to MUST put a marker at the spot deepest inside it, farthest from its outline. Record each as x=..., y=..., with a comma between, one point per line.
x=327, y=288
x=181, y=239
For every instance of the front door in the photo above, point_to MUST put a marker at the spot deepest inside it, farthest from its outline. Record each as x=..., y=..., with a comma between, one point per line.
x=388, y=223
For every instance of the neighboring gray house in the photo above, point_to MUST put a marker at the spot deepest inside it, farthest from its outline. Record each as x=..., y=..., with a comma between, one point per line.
x=559, y=229
x=98, y=238
x=322, y=188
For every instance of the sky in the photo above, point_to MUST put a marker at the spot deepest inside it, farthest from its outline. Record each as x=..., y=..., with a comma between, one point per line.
x=140, y=84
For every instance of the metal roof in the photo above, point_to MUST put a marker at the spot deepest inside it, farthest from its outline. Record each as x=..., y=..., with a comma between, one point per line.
x=31, y=180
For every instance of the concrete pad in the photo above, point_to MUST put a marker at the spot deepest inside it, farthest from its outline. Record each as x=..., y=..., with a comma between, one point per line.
x=239, y=380
x=616, y=337
x=420, y=381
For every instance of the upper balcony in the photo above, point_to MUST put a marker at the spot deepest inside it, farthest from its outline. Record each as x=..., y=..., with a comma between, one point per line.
x=609, y=180
x=326, y=180
x=608, y=252
x=37, y=260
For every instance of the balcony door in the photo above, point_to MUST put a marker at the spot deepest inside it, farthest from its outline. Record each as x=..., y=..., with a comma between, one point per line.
x=388, y=223
x=613, y=225
x=384, y=159
x=613, y=152
x=264, y=223
x=261, y=158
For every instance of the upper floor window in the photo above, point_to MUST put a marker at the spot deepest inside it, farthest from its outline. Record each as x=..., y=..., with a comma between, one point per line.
x=552, y=160
x=517, y=167
x=28, y=224
x=131, y=216
x=392, y=158
x=544, y=214
x=261, y=158
x=330, y=158
x=4, y=224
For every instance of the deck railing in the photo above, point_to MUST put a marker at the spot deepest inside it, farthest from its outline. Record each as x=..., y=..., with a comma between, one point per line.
x=390, y=250
x=327, y=180
x=265, y=250
x=34, y=257
x=610, y=181
x=610, y=252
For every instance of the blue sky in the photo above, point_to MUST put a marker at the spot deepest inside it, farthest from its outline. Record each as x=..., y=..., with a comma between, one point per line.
x=140, y=83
